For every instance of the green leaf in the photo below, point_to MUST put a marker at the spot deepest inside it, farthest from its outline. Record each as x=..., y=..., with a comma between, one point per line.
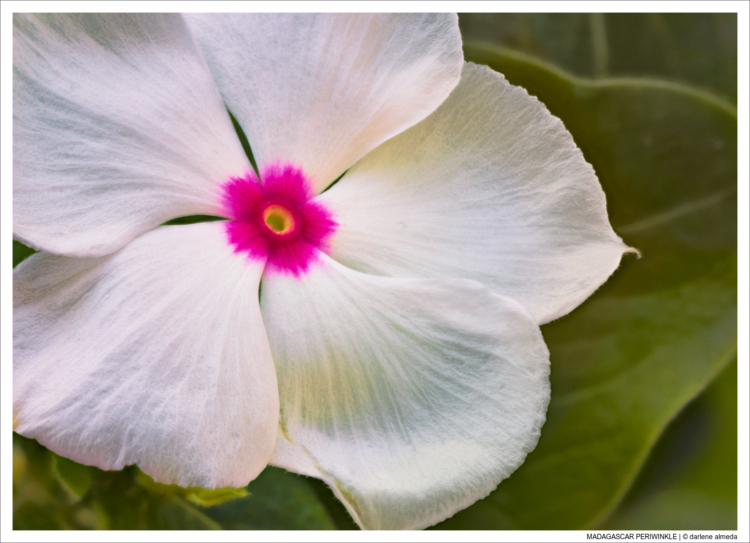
x=653, y=337
x=76, y=477
x=338, y=513
x=40, y=501
x=52, y=492
x=278, y=500
x=124, y=502
x=204, y=497
x=192, y=219
x=30, y=516
x=208, y=497
x=21, y=252
x=690, y=479
x=693, y=48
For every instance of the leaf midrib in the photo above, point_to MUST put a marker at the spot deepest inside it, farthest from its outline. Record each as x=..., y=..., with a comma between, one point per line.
x=677, y=212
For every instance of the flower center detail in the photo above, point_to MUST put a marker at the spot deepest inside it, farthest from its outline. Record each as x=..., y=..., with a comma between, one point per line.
x=278, y=218
x=275, y=219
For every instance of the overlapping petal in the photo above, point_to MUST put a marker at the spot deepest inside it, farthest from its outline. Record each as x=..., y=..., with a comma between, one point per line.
x=323, y=90
x=118, y=127
x=490, y=187
x=411, y=398
x=155, y=355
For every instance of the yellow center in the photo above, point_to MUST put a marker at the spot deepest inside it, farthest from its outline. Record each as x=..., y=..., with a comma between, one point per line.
x=278, y=219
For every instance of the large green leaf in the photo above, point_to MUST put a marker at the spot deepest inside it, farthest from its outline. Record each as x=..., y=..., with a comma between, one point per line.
x=695, y=48
x=653, y=337
x=690, y=479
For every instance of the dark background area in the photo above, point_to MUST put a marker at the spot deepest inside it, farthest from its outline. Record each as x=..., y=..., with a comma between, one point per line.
x=698, y=49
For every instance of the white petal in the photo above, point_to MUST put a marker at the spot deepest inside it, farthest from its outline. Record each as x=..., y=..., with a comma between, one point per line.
x=155, y=355
x=322, y=90
x=411, y=398
x=118, y=127
x=490, y=187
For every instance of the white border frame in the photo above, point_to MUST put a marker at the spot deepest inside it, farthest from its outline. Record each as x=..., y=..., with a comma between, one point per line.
x=6, y=293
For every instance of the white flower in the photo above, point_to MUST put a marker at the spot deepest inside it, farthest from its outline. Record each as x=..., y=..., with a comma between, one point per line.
x=394, y=350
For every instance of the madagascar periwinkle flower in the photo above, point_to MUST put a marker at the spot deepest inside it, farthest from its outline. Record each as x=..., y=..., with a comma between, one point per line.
x=380, y=333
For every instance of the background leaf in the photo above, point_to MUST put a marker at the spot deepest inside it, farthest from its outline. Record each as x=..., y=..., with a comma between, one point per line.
x=690, y=479
x=278, y=500
x=21, y=252
x=204, y=497
x=52, y=492
x=76, y=477
x=40, y=501
x=698, y=49
x=124, y=504
x=648, y=342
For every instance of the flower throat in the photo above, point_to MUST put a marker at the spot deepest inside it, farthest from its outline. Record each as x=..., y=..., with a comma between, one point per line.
x=275, y=219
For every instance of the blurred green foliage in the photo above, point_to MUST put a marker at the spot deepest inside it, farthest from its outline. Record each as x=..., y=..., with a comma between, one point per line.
x=641, y=431
x=52, y=492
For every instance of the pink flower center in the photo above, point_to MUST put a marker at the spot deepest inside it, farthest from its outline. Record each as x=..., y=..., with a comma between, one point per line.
x=274, y=219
